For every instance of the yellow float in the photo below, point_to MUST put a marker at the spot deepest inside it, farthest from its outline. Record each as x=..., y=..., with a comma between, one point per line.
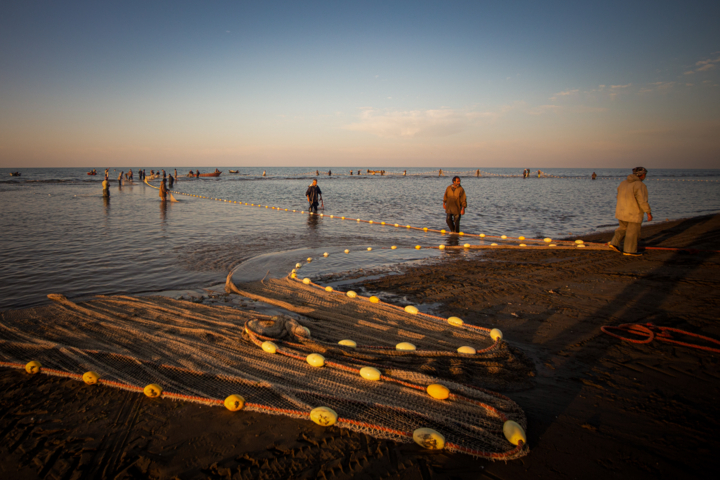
x=234, y=403
x=467, y=245
x=504, y=237
x=493, y=244
x=370, y=373
x=374, y=299
x=411, y=309
x=547, y=240
x=442, y=247
x=440, y=392
x=293, y=275
x=429, y=439
x=425, y=229
x=579, y=242
x=328, y=289
x=455, y=321
x=269, y=347
x=153, y=390
x=496, y=334
x=298, y=265
x=309, y=259
x=347, y=251
x=482, y=235
x=33, y=367
x=514, y=432
x=417, y=247
x=369, y=249
x=443, y=231
x=467, y=350
x=523, y=245
x=307, y=281
x=521, y=237
x=323, y=416
x=325, y=254
x=397, y=225
x=347, y=343
x=316, y=360
x=405, y=346
x=91, y=378
x=393, y=247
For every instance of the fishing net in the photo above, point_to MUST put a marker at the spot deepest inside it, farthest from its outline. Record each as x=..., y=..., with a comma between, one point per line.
x=205, y=353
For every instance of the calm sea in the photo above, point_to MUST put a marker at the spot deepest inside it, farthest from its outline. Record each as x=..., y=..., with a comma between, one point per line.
x=58, y=234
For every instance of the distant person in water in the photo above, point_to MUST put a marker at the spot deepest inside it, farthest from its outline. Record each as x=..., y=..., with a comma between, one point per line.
x=477, y=173
x=176, y=174
x=105, y=185
x=120, y=179
x=454, y=203
x=163, y=191
x=632, y=205
x=264, y=174
x=351, y=172
x=404, y=172
x=594, y=175
x=329, y=173
x=197, y=173
x=314, y=196
x=171, y=181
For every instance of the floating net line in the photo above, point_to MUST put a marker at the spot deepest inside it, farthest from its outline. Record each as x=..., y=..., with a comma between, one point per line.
x=205, y=353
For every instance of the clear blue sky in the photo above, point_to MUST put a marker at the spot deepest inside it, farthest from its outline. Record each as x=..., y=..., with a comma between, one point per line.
x=392, y=83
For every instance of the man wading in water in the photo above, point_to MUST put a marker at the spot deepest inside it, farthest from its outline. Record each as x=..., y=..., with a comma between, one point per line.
x=454, y=203
x=313, y=194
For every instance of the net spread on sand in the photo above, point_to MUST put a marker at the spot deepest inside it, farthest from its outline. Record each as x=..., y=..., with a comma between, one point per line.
x=206, y=353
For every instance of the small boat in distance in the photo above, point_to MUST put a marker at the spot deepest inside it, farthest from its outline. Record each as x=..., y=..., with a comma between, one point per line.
x=233, y=171
x=216, y=173
x=15, y=174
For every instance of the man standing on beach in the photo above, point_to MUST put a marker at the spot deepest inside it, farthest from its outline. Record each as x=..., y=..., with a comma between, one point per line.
x=632, y=204
x=454, y=203
x=314, y=194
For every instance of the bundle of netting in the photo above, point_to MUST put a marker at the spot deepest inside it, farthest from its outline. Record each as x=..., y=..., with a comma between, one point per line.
x=218, y=355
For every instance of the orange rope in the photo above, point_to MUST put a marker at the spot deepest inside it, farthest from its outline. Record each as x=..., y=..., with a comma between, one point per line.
x=663, y=334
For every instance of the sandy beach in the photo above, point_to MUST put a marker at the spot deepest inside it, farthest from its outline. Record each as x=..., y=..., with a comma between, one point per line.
x=596, y=407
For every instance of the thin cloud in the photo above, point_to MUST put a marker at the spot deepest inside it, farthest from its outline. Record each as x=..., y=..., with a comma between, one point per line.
x=564, y=94
x=420, y=123
x=620, y=86
x=704, y=65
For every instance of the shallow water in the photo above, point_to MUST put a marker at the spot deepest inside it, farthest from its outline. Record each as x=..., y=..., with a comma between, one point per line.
x=60, y=236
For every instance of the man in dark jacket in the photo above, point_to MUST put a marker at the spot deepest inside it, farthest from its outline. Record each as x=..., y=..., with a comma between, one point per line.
x=313, y=194
x=454, y=203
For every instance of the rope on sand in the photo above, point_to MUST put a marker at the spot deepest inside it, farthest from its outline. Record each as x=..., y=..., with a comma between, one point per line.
x=654, y=332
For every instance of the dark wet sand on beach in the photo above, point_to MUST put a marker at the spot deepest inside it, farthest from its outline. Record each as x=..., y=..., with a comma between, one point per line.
x=598, y=408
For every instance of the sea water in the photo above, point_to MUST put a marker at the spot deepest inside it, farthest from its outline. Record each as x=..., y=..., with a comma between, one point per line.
x=59, y=235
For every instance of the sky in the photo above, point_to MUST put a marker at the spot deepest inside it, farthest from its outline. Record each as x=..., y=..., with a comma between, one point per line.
x=338, y=83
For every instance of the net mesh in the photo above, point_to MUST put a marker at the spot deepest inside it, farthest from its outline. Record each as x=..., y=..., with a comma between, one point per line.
x=205, y=353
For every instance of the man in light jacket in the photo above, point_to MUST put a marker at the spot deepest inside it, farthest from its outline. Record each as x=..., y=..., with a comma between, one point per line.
x=632, y=204
x=454, y=203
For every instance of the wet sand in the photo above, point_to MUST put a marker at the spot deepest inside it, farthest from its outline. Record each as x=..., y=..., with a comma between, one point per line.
x=597, y=408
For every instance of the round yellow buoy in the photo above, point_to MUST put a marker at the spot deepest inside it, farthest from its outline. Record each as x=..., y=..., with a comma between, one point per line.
x=442, y=247
x=370, y=221
x=370, y=373
x=429, y=439
x=493, y=244
x=358, y=220
x=382, y=223
x=547, y=240
x=369, y=248
x=316, y=360
x=323, y=416
x=342, y=218
x=309, y=259
x=411, y=309
x=425, y=229
x=496, y=334
x=269, y=347
x=441, y=392
x=33, y=367
x=455, y=321
x=579, y=242
x=393, y=247
x=514, y=432
x=466, y=349
x=347, y=343
x=397, y=225
x=408, y=226
x=482, y=235
x=443, y=231
x=405, y=346
x=580, y=245
x=351, y=294
x=374, y=299
x=347, y=251
x=293, y=275
x=417, y=247
x=153, y=390
x=307, y=281
x=461, y=233
x=523, y=245
x=328, y=289
x=552, y=245
x=325, y=254
x=503, y=237
x=467, y=245
x=298, y=265
x=91, y=378
x=234, y=403
x=521, y=237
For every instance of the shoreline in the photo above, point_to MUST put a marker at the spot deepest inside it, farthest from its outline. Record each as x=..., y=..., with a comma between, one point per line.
x=598, y=406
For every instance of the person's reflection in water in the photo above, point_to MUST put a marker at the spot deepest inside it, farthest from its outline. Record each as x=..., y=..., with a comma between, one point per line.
x=106, y=201
x=313, y=221
x=452, y=240
x=163, y=212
